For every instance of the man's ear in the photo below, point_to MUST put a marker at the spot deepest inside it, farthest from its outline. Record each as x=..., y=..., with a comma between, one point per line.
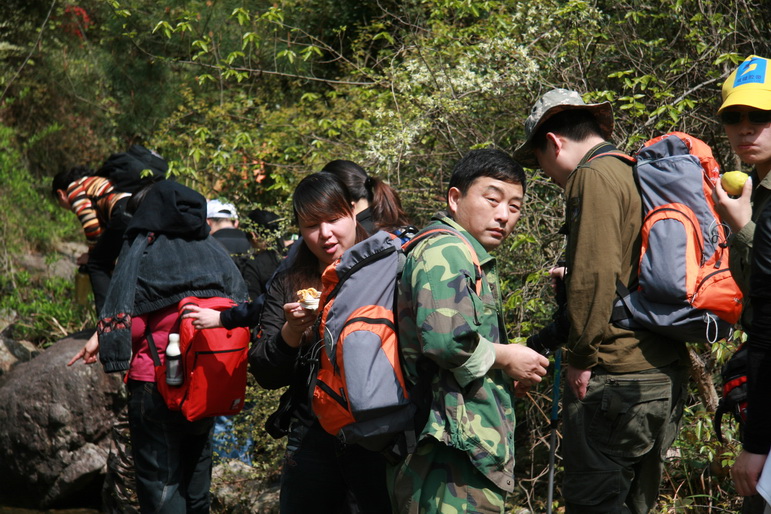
x=554, y=139
x=61, y=197
x=453, y=195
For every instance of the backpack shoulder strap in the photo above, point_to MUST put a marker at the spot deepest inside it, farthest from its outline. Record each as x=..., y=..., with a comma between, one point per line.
x=449, y=230
x=151, y=345
x=618, y=155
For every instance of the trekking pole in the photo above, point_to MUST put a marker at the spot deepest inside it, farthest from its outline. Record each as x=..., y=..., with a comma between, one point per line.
x=554, y=422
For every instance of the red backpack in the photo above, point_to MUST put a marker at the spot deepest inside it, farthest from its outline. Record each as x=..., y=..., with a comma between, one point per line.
x=214, y=366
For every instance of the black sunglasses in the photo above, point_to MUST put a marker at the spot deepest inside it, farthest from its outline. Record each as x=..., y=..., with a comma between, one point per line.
x=755, y=117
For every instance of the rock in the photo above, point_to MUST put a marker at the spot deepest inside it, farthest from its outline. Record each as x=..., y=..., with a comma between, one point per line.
x=60, y=263
x=7, y=318
x=12, y=352
x=236, y=491
x=55, y=424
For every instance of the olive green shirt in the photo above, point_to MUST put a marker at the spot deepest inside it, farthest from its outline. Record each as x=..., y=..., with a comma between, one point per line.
x=604, y=216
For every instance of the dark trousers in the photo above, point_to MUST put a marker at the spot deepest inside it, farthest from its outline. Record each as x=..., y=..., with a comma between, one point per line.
x=323, y=475
x=172, y=456
x=616, y=438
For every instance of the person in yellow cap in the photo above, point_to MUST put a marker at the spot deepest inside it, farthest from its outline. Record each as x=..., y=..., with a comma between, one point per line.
x=746, y=116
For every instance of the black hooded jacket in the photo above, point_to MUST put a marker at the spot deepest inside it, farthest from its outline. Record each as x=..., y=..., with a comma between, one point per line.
x=167, y=256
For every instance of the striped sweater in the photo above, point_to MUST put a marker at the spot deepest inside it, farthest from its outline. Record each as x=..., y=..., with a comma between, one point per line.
x=92, y=200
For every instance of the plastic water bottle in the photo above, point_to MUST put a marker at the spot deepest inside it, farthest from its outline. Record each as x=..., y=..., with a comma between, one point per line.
x=173, y=362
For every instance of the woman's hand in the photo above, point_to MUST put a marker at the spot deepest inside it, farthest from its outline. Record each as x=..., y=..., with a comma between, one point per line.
x=89, y=351
x=298, y=320
x=82, y=259
x=202, y=318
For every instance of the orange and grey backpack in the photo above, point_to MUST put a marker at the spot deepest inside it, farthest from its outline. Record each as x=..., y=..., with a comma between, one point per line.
x=360, y=393
x=684, y=290
x=214, y=366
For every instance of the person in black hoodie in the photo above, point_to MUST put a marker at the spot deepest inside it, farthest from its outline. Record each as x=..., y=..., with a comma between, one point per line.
x=167, y=255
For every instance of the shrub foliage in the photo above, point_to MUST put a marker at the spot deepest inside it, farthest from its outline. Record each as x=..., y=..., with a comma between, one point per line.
x=245, y=101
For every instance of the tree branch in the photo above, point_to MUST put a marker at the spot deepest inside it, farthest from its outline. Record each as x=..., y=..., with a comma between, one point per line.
x=29, y=55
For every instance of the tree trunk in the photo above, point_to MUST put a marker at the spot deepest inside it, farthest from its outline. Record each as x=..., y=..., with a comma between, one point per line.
x=703, y=380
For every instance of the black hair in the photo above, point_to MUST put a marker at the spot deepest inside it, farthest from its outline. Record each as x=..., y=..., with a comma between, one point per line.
x=264, y=220
x=384, y=202
x=263, y=227
x=353, y=176
x=486, y=162
x=318, y=197
x=135, y=200
x=64, y=178
x=574, y=124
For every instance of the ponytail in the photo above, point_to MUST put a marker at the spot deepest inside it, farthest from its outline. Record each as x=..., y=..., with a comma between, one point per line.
x=384, y=203
x=386, y=207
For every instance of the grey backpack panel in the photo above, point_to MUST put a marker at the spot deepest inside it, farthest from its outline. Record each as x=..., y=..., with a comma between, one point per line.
x=684, y=261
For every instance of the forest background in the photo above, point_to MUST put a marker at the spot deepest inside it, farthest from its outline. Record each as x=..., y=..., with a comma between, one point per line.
x=244, y=98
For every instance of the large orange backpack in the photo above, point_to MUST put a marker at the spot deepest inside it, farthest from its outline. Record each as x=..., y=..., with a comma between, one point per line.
x=685, y=290
x=214, y=366
x=360, y=393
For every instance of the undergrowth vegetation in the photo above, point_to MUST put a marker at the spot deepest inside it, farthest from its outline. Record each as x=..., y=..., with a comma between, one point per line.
x=245, y=101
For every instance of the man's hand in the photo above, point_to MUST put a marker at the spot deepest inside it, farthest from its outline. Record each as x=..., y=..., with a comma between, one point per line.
x=89, y=351
x=202, y=318
x=520, y=363
x=736, y=212
x=556, y=275
x=520, y=389
x=578, y=380
x=746, y=471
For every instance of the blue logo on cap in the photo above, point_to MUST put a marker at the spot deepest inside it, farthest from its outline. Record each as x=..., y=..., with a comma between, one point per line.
x=751, y=72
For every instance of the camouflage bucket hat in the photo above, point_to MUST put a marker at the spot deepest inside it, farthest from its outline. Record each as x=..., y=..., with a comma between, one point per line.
x=553, y=102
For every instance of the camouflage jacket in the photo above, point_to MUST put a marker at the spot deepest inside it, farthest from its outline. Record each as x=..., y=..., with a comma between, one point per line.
x=441, y=317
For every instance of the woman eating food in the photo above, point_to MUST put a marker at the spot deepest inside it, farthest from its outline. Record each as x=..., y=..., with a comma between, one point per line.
x=320, y=474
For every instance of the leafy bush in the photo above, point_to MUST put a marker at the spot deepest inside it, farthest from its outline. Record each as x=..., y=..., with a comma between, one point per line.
x=245, y=101
x=44, y=306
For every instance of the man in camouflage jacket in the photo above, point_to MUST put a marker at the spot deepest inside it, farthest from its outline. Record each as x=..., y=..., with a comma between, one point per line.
x=450, y=315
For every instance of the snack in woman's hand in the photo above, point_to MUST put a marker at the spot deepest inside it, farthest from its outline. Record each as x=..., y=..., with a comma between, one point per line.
x=309, y=298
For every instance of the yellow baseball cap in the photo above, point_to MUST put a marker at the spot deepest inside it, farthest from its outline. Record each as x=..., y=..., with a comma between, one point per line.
x=749, y=85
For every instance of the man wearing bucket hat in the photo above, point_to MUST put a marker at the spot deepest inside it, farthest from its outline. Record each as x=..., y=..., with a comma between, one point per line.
x=746, y=117
x=624, y=389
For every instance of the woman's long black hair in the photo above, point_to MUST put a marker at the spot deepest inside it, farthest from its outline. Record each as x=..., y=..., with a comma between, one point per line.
x=384, y=202
x=318, y=197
